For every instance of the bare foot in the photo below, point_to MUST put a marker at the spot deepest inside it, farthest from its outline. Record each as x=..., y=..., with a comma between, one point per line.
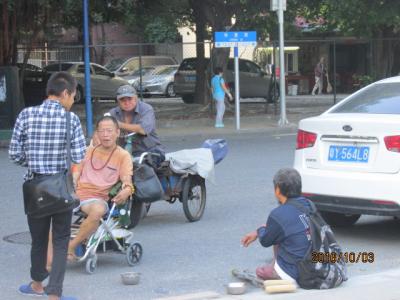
x=37, y=286
x=71, y=257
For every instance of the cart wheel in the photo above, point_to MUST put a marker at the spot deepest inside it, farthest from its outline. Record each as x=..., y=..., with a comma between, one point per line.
x=91, y=264
x=134, y=254
x=194, y=198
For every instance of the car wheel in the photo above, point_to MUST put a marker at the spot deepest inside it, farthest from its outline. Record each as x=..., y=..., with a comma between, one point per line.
x=169, y=91
x=188, y=99
x=79, y=95
x=338, y=219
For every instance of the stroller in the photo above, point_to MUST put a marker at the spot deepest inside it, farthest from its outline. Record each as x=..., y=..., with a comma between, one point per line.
x=110, y=235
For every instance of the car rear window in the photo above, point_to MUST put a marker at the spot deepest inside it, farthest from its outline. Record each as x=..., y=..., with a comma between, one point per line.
x=188, y=65
x=378, y=98
x=165, y=71
x=163, y=61
x=115, y=64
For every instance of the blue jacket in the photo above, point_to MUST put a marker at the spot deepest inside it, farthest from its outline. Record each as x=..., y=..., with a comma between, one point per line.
x=289, y=228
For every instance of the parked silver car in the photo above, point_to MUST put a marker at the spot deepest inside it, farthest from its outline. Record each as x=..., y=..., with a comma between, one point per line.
x=126, y=66
x=134, y=78
x=254, y=82
x=104, y=84
x=159, y=82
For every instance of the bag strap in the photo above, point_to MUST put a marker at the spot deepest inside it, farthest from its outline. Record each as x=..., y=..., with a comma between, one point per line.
x=68, y=115
x=301, y=207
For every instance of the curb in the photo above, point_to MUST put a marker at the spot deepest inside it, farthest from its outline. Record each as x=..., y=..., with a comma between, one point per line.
x=380, y=285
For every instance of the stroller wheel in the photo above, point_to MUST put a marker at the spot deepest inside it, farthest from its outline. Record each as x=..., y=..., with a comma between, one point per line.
x=134, y=254
x=91, y=264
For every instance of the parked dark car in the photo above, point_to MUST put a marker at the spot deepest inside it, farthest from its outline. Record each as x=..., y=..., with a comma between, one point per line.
x=32, y=72
x=254, y=82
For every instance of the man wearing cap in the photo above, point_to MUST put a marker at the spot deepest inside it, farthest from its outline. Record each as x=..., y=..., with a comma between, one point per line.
x=137, y=116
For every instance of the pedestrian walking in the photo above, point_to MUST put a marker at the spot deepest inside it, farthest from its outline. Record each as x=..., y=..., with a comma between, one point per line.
x=219, y=90
x=319, y=72
x=39, y=143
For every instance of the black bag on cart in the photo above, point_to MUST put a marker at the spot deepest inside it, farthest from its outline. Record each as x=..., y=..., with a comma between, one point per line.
x=147, y=185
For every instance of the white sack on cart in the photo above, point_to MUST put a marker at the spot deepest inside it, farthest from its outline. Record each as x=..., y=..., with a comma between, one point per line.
x=194, y=161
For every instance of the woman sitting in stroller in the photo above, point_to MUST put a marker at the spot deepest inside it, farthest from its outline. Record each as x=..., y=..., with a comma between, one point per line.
x=103, y=166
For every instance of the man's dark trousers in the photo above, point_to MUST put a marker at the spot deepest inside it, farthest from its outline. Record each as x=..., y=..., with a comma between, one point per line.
x=61, y=232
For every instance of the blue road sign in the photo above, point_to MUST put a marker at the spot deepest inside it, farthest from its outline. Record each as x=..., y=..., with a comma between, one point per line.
x=235, y=38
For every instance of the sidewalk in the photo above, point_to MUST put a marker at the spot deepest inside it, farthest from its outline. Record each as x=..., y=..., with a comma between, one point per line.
x=382, y=286
x=179, y=119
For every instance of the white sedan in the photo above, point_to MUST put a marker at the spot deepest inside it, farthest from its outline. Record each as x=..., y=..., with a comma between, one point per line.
x=349, y=156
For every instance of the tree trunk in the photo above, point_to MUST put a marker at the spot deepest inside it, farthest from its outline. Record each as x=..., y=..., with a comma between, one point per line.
x=201, y=92
x=6, y=43
x=218, y=14
x=14, y=36
x=103, y=41
x=383, y=53
x=1, y=37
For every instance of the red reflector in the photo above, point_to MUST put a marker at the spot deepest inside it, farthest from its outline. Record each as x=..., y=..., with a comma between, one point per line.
x=392, y=143
x=305, y=139
x=307, y=195
x=384, y=202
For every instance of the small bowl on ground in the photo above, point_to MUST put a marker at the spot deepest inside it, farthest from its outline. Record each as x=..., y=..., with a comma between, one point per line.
x=236, y=288
x=130, y=278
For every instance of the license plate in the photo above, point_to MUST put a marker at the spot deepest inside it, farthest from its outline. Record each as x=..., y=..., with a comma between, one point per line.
x=190, y=78
x=348, y=154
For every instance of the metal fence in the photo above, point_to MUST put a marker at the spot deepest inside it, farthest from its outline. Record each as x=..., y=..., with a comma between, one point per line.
x=351, y=63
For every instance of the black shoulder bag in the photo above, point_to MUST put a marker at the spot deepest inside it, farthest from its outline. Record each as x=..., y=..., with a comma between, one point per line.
x=45, y=195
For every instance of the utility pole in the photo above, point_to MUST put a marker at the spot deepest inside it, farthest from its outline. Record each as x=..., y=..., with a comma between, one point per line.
x=89, y=113
x=282, y=86
x=279, y=6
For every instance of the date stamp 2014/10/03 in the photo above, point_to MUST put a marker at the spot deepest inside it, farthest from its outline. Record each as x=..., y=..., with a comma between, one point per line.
x=348, y=257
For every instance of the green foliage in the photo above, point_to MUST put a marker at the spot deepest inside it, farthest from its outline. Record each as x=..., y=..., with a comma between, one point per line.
x=160, y=31
x=362, y=80
x=371, y=19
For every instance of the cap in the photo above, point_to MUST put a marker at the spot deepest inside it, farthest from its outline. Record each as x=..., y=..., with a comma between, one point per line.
x=126, y=91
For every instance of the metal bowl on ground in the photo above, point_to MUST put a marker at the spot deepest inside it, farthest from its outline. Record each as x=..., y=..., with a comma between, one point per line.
x=130, y=278
x=236, y=288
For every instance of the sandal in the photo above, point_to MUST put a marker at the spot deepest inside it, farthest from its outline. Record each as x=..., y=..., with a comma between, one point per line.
x=26, y=289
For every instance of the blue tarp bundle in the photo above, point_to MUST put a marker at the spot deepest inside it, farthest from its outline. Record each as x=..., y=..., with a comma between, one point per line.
x=219, y=148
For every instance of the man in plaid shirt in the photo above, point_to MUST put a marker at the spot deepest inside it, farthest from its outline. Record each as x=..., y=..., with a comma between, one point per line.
x=39, y=143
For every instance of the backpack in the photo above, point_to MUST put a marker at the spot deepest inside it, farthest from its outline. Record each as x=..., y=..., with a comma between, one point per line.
x=315, y=273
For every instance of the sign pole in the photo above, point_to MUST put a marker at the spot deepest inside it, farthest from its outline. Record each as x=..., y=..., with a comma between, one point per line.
x=237, y=97
x=235, y=39
x=88, y=102
x=283, y=120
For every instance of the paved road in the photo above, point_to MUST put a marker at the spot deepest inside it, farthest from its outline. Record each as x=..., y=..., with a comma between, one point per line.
x=181, y=257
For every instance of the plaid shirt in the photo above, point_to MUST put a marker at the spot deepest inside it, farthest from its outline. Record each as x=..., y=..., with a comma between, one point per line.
x=39, y=139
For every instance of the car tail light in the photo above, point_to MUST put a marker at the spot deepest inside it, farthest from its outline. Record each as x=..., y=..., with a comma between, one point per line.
x=392, y=143
x=384, y=202
x=305, y=139
x=307, y=195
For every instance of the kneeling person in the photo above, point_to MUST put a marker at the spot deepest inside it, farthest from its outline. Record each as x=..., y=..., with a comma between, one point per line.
x=287, y=229
x=103, y=166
